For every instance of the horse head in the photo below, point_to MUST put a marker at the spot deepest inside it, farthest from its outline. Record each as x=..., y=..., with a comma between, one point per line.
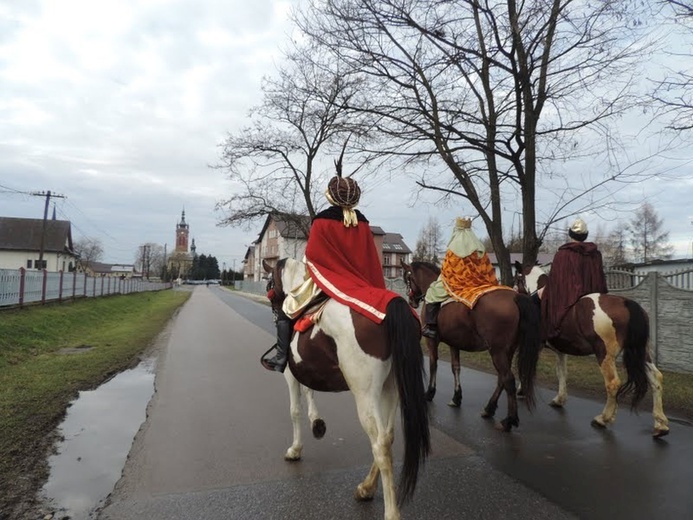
x=528, y=280
x=417, y=277
x=286, y=274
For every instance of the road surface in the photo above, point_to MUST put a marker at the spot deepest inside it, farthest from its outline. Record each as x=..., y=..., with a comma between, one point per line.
x=218, y=426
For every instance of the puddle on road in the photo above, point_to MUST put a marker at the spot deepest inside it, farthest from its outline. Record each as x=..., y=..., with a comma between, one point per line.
x=98, y=431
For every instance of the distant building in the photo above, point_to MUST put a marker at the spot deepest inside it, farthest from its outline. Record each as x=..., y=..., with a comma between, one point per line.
x=179, y=263
x=394, y=251
x=282, y=237
x=22, y=239
x=111, y=270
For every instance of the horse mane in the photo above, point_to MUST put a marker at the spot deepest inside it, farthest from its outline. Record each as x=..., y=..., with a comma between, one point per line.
x=425, y=265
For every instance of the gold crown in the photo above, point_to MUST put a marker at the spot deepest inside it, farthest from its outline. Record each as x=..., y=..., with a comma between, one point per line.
x=464, y=222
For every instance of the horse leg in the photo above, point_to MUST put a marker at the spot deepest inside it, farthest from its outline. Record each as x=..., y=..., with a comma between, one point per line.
x=612, y=383
x=562, y=375
x=455, y=365
x=432, y=346
x=366, y=489
x=317, y=425
x=294, y=451
x=376, y=413
x=654, y=377
x=506, y=381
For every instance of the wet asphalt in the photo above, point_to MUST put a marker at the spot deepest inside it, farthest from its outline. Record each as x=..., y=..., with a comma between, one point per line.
x=218, y=425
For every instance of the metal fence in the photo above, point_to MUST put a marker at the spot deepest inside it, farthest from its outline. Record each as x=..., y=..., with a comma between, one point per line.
x=617, y=279
x=19, y=287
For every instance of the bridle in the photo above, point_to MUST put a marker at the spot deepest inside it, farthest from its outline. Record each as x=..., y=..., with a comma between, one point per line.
x=414, y=298
x=521, y=283
x=275, y=293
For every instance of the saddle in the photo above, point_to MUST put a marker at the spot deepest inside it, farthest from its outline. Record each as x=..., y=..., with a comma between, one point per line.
x=311, y=314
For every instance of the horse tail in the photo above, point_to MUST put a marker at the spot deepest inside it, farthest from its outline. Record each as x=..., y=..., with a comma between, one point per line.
x=529, y=345
x=404, y=336
x=635, y=353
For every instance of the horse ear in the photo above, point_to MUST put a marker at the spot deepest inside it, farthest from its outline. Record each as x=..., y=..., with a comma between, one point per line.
x=405, y=265
x=518, y=266
x=266, y=266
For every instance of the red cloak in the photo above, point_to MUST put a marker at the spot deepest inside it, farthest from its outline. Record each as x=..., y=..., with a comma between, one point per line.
x=576, y=270
x=344, y=263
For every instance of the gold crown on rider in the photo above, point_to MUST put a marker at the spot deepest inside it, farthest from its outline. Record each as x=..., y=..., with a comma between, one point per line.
x=463, y=222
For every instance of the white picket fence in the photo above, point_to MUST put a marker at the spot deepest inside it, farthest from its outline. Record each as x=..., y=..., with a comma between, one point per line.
x=19, y=287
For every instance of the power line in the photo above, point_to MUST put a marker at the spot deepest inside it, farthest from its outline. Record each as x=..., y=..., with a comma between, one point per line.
x=48, y=196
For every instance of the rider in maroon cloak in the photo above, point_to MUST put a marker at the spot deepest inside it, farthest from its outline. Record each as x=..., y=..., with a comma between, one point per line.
x=576, y=270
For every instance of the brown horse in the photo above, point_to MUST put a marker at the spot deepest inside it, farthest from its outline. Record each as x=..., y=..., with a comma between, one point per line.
x=381, y=364
x=604, y=325
x=500, y=322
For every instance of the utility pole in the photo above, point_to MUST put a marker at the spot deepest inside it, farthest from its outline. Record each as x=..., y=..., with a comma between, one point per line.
x=48, y=196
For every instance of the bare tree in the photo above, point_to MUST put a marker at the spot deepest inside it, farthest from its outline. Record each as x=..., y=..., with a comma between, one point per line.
x=494, y=95
x=674, y=92
x=88, y=250
x=274, y=164
x=614, y=245
x=429, y=245
x=150, y=260
x=647, y=237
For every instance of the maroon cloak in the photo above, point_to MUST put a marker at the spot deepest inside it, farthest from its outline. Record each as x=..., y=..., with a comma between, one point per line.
x=576, y=270
x=344, y=263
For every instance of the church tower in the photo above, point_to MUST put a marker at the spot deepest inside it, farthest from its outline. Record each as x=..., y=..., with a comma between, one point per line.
x=180, y=262
x=182, y=233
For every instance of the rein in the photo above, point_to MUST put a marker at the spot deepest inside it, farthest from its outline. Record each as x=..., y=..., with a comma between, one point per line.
x=410, y=290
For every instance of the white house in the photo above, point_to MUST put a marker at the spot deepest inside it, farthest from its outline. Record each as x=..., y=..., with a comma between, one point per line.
x=21, y=240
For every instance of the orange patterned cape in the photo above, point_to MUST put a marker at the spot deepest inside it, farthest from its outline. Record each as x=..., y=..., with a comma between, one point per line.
x=467, y=279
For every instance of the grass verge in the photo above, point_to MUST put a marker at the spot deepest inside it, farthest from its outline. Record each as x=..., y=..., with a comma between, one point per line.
x=585, y=380
x=49, y=354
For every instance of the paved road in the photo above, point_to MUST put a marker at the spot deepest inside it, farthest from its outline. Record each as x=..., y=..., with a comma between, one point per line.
x=218, y=426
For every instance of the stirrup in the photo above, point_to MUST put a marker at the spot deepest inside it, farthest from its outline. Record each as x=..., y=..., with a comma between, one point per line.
x=265, y=360
x=429, y=332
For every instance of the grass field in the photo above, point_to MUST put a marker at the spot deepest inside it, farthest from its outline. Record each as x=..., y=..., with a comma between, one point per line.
x=47, y=355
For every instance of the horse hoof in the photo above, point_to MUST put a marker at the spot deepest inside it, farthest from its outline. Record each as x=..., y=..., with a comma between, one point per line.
x=556, y=404
x=486, y=414
x=598, y=424
x=430, y=394
x=363, y=496
x=454, y=404
x=291, y=458
x=660, y=432
x=319, y=428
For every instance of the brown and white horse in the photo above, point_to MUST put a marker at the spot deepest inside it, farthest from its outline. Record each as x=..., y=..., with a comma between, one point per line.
x=604, y=325
x=381, y=364
x=500, y=322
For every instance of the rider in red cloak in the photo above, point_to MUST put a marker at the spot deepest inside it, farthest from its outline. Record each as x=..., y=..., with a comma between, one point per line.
x=342, y=261
x=576, y=270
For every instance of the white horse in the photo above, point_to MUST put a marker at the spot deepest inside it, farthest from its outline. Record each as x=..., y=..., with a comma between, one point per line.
x=605, y=325
x=381, y=364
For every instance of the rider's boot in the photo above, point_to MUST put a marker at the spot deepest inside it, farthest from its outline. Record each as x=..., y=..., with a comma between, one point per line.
x=284, y=333
x=430, y=330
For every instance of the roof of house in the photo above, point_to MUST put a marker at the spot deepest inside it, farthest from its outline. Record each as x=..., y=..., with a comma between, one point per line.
x=100, y=267
x=393, y=243
x=24, y=234
x=542, y=258
x=289, y=226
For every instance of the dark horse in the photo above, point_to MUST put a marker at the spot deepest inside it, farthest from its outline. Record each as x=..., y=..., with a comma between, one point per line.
x=381, y=364
x=604, y=325
x=500, y=322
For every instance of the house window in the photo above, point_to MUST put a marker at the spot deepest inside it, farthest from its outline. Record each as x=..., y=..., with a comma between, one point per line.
x=386, y=260
x=398, y=246
x=28, y=264
x=42, y=264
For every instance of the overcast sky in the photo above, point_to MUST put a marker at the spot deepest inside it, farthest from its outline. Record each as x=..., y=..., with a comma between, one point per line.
x=121, y=107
